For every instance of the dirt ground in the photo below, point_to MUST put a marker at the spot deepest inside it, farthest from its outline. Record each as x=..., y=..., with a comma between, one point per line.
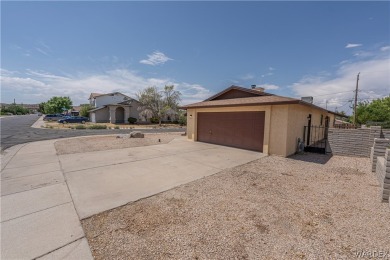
x=55, y=125
x=304, y=207
x=101, y=143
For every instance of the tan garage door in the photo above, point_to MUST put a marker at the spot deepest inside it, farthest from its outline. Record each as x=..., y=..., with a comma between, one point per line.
x=237, y=129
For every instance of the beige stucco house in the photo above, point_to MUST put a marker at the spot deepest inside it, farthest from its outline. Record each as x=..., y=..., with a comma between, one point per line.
x=112, y=108
x=255, y=120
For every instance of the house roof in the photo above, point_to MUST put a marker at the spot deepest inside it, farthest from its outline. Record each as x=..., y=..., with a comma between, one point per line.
x=94, y=95
x=233, y=87
x=76, y=108
x=266, y=99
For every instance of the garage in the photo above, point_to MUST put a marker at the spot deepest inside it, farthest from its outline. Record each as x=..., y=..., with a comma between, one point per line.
x=236, y=129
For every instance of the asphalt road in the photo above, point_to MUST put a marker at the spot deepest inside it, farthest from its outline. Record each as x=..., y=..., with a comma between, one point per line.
x=17, y=130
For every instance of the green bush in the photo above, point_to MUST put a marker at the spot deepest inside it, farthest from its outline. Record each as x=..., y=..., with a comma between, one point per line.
x=97, y=127
x=154, y=120
x=182, y=120
x=132, y=120
x=80, y=127
x=116, y=127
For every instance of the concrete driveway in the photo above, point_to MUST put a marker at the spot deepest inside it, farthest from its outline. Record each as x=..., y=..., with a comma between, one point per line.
x=44, y=195
x=103, y=180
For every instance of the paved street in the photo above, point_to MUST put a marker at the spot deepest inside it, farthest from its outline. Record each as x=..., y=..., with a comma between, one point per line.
x=17, y=130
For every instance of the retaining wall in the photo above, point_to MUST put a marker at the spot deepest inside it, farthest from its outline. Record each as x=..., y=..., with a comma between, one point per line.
x=355, y=142
x=383, y=175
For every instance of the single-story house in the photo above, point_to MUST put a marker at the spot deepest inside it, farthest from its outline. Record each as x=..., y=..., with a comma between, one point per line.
x=112, y=108
x=255, y=120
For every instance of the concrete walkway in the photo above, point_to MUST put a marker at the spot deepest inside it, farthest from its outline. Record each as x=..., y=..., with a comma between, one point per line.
x=44, y=196
x=38, y=217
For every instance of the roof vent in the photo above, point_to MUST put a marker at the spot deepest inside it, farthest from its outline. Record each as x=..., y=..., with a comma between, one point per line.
x=307, y=99
x=255, y=87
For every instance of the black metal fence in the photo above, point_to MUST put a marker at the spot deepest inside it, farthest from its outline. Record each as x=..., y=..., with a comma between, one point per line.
x=315, y=138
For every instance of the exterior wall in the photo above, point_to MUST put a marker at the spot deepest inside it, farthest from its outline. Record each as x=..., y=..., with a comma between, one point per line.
x=102, y=115
x=297, y=119
x=108, y=99
x=283, y=124
x=278, y=130
x=134, y=110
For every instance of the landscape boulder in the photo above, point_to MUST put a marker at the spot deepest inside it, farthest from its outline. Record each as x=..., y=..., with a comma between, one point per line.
x=136, y=134
x=123, y=136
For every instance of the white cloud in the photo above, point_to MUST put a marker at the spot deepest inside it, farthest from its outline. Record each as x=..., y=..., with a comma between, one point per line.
x=271, y=69
x=156, y=58
x=36, y=87
x=268, y=86
x=385, y=48
x=338, y=89
x=353, y=45
x=267, y=74
x=247, y=77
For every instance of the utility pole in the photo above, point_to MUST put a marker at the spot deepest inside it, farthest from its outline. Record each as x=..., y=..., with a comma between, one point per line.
x=356, y=93
x=326, y=104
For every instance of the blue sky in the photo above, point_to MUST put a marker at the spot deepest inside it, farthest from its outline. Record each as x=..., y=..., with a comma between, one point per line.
x=290, y=48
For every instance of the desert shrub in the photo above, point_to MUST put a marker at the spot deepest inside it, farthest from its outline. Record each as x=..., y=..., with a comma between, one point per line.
x=154, y=120
x=132, y=120
x=80, y=127
x=182, y=120
x=97, y=127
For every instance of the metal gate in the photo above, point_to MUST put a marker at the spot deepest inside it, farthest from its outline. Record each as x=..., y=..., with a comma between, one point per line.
x=315, y=138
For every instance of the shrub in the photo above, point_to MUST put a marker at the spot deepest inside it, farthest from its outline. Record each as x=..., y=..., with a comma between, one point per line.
x=97, y=127
x=182, y=120
x=116, y=127
x=154, y=120
x=132, y=120
x=80, y=127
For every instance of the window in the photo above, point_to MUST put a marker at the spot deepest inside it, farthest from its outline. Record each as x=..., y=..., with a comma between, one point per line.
x=322, y=119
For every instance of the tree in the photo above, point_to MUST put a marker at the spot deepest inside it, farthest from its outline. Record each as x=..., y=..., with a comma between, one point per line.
x=376, y=111
x=84, y=110
x=42, y=107
x=57, y=105
x=156, y=104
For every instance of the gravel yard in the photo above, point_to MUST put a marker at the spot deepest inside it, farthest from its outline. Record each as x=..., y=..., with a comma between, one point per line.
x=304, y=207
x=101, y=143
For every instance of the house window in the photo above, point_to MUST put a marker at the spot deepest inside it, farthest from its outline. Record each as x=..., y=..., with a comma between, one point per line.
x=322, y=119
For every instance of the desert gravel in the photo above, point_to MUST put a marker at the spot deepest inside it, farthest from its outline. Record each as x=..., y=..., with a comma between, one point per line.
x=101, y=143
x=304, y=207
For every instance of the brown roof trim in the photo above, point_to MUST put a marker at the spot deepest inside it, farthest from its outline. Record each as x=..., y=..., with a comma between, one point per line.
x=286, y=102
x=256, y=92
x=243, y=105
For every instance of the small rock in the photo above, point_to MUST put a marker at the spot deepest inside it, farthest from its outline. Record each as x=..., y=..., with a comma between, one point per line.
x=124, y=136
x=136, y=134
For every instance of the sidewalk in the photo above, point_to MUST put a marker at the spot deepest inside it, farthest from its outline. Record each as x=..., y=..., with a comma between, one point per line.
x=39, y=123
x=38, y=217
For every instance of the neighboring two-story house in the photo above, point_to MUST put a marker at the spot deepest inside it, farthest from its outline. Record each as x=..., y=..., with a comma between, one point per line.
x=112, y=108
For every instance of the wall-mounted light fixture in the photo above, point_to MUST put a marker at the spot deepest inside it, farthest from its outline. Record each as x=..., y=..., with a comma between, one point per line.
x=190, y=116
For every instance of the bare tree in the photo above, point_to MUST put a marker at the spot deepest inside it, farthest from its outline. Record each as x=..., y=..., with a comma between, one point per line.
x=157, y=104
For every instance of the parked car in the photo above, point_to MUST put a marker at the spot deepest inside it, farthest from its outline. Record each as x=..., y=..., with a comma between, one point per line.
x=53, y=117
x=73, y=119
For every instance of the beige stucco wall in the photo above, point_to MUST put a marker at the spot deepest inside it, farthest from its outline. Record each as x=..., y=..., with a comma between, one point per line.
x=102, y=115
x=297, y=119
x=283, y=124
